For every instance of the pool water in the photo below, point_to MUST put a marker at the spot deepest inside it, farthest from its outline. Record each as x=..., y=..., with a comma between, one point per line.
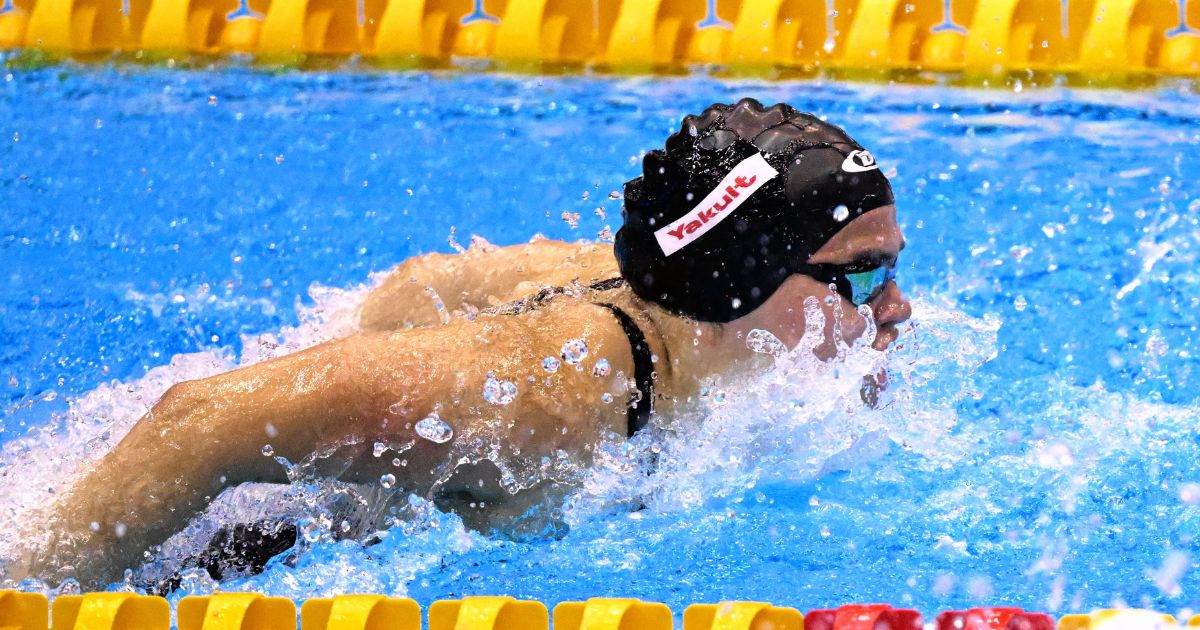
x=1039, y=446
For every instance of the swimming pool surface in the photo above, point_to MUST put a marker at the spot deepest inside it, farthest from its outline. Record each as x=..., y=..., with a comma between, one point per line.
x=1040, y=445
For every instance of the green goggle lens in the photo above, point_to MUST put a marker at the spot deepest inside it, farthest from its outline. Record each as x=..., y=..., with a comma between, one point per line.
x=865, y=285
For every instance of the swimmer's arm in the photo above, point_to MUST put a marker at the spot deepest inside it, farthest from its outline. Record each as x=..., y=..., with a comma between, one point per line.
x=206, y=435
x=200, y=437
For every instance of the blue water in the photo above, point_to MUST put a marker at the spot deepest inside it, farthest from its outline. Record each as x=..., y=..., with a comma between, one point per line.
x=1044, y=445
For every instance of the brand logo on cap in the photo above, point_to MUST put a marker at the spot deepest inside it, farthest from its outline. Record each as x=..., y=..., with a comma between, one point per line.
x=859, y=161
x=741, y=182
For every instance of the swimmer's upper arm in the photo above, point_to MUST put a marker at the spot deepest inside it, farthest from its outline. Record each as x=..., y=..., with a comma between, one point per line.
x=525, y=407
x=402, y=298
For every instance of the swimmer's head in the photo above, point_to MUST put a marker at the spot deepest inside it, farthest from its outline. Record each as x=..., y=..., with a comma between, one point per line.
x=737, y=201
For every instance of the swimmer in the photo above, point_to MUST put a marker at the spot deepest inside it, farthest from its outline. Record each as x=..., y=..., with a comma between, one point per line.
x=539, y=348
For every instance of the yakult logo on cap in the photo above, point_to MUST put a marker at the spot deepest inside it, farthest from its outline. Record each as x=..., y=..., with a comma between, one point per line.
x=741, y=182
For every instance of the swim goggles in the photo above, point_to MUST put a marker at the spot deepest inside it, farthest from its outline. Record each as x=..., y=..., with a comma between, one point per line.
x=858, y=283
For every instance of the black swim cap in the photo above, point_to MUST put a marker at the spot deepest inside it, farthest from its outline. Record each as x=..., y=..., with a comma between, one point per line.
x=736, y=202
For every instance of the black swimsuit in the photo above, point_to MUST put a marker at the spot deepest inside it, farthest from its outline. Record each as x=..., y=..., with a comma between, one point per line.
x=642, y=406
x=643, y=370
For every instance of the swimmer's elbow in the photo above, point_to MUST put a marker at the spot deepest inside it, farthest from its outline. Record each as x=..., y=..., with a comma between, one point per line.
x=178, y=394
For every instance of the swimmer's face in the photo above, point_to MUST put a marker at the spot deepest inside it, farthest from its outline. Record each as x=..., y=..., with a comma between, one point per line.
x=872, y=238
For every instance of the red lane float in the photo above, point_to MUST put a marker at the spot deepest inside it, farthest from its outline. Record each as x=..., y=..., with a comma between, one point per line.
x=994, y=618
x=864, y=617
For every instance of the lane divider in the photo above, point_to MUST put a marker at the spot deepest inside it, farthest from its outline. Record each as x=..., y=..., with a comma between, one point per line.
x=234, y=611
x=252, y=611
x=488, y=613
x=995, y=618
x=604, y=613
x=110, y=611
x=741, y=616
x=977, y=37
x=360, y=612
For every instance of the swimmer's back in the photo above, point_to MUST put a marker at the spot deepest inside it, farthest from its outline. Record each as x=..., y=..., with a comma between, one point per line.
x=481, y=278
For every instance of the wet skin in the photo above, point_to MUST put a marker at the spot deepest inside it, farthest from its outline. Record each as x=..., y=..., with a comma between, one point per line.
x=206, y=435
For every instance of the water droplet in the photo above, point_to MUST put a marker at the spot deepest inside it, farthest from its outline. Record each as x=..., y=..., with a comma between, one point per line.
x=268, y=450
x=574, y=351
x=764, y=342
x=602, y=368
x=1019, y=303
x=310, y=529
x=388, y=480
x=551, y=364
x=498, y=392
x=434, y=429
x=841, y=213
x=380, y=447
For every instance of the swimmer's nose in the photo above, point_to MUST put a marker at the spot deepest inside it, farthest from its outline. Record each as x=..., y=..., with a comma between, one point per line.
x=890, y=307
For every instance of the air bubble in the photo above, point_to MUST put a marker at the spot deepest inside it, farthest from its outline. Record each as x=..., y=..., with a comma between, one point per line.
x=380, y=447
x=551, y=364
x=388, y=480
x=735, y=303
x=841, y=213
x=601, y=369
x=1019, y=303
x=574, y=351
x=606, y=398
x=499, y=392
x=268, y=450
x=434, y=429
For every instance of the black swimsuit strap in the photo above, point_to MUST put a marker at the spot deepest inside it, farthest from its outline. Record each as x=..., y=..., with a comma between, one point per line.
x=643, y=370
x=643, y=367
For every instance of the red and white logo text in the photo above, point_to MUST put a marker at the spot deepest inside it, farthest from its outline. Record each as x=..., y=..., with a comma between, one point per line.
x=741, y=182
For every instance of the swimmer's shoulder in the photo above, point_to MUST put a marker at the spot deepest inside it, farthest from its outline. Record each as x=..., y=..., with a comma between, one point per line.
x=480, y=277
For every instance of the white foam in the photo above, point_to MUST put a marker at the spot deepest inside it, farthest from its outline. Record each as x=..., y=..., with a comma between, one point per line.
x=802, y=419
